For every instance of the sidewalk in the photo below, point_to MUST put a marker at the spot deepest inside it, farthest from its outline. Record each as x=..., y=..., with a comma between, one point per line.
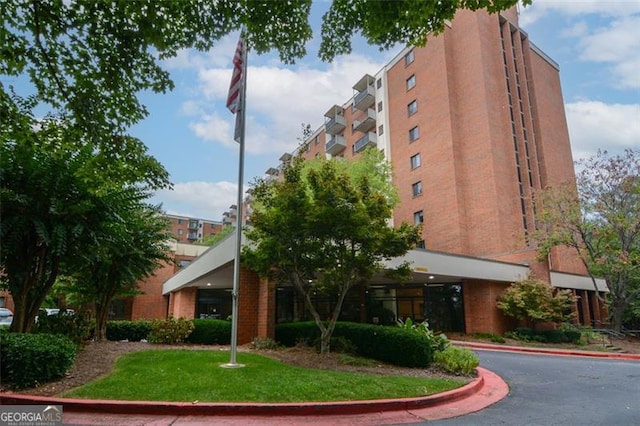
x=482, y=392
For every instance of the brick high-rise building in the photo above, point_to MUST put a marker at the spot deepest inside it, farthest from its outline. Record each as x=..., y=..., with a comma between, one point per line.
x=473, y=124
x=187, y=229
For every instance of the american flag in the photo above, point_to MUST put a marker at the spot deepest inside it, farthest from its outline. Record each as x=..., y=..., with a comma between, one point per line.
x=237, y=78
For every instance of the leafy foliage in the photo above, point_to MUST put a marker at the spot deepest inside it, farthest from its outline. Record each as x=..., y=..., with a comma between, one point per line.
x=170, y=330
x=601, y=222
x=388, y=344
x=212, y=240
x=66, y=323
x=133, y=331
x=455, y=360
x=534, y=301
x=439, y=341
x=28, y=359
x=210, y=332
x=323, y=229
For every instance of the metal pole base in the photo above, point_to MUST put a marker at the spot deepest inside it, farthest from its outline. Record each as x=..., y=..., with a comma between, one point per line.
x=231, y=365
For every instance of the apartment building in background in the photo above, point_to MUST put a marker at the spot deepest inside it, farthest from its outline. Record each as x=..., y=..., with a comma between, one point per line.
x=187, y=229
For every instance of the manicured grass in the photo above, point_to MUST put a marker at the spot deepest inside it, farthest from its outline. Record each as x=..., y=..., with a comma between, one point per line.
x=185, y=375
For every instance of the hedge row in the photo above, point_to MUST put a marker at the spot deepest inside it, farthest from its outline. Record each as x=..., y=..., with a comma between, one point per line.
x=545, y=336
x=394, y=345
x=28, y=359
x=206, y=331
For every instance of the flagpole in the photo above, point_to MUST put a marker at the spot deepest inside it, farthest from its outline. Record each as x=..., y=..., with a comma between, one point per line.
x=240, y=120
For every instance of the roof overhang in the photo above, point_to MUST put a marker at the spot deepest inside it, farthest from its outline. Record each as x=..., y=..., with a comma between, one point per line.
x=214, y=269
x=577, y=282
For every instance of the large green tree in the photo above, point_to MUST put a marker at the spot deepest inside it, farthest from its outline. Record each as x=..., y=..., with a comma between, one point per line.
x=55, y=190
x=131, y=244
x=323, y=229
x=601, y=221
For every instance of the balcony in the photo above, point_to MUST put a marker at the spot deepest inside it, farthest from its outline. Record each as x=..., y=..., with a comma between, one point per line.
x=192, y=236
x=367, y=140
x=365, y=93
x=226, y=220
x=366, y=121
x=193, y=224
x=335, y=125
x=336, y=145
x=335, y=120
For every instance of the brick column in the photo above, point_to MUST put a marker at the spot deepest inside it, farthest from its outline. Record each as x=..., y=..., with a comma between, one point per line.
x=183, y=304
x=481, y=314
x=266, y=318
x=248, y=306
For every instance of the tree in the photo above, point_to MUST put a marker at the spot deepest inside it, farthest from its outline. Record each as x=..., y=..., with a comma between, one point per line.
x=132, y=243
x=601, y=221
x=212, y=240
x=54, y=189
x=323, y=229
x=534, y=301
x=88, y=59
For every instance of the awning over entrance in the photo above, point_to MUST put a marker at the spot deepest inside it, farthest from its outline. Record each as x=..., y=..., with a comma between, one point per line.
x=577, y=282
x=214, y=269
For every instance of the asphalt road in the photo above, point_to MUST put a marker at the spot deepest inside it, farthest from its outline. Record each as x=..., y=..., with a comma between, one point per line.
x=557, y=390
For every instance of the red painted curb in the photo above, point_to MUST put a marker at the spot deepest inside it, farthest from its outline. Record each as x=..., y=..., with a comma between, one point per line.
x=543, y=351
x=239, y=409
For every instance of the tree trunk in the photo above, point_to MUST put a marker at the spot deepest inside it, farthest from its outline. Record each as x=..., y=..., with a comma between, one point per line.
x=102, y=314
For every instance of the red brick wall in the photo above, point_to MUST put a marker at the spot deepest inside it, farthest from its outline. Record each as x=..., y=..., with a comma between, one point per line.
x=481, y=315
x=151, y=304
x=183, y=303
x=248, y=306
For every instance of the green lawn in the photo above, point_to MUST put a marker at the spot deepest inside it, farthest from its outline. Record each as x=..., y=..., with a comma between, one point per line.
x=185, y=375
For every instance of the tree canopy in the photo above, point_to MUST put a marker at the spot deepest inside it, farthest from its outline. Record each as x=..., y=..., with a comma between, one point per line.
x=534, y=301
x=56, y=190
x=601, y=221
x=323, y=229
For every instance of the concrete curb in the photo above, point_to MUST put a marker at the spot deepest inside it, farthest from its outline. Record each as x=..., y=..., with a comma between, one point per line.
x=252, y=409
x=544, y=351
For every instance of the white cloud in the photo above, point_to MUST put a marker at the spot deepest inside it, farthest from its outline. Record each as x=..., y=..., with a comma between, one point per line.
x=617, y=44
x=595, y=125
x=207, y=200
x=279, y=100
x=539, y=8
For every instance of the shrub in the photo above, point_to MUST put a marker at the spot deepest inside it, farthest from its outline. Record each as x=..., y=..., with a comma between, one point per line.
x=546, y=336
x=460, y=361
x=28, y=359
x=439, y=341
x=534, y=301
x=133, y=331
x=210, y=332
x=394, y=345
x=170, y=330
x=66, y=323
x=496, y=338
x=262, y=343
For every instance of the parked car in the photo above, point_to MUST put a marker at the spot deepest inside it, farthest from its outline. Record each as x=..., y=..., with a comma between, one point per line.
x=6, y=316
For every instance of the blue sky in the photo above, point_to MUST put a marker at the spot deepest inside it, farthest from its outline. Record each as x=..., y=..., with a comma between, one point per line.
x=596, y=44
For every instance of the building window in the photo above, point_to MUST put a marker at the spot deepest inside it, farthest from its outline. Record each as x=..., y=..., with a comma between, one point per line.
x=2, y=301
x=415, y=161
x=316, y=140
x=213, y=226
x=180, y=231
x=420, y=244
x=418, y=217
x=179, y=221
x=414, y=134
x=411, y=82
x=409, y=58
x=379, y=83
x=412, y=108
x=416, y=188
x=380, y=130
x=379, y=106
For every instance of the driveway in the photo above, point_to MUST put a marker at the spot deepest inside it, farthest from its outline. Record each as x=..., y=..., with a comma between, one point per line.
x=559, y=390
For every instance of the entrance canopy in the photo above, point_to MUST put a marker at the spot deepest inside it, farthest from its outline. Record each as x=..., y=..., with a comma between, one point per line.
x=214, y=269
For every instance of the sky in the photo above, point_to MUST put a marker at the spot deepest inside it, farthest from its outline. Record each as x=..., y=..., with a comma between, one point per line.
x=190, y=131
